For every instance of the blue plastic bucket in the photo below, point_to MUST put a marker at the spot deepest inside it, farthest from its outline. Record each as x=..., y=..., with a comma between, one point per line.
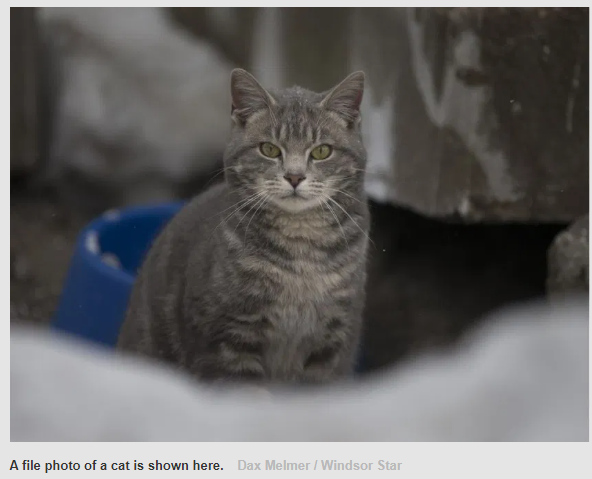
x=96, y=293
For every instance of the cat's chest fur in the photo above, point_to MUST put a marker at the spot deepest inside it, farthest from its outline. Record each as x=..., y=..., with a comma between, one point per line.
x=307, y=275
x=296, y=331
x=306, y=295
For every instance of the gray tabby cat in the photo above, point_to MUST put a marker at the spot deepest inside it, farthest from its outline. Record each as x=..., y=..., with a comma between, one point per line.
x=262, y=278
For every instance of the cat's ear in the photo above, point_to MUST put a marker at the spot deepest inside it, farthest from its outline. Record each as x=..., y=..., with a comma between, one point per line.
x=345, y=99
x=248, y=96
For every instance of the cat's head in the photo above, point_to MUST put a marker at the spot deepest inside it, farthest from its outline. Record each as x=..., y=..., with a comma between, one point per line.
x=294, y=148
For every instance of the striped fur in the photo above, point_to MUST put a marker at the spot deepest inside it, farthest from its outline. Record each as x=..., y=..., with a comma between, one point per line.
x=256, y=280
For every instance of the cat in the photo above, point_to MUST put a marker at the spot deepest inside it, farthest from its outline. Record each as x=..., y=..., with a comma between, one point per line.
x=138, y=106
x=262, y=278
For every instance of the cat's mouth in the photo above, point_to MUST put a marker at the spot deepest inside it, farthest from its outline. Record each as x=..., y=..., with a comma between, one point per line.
x=296, y=195
x=296, y=201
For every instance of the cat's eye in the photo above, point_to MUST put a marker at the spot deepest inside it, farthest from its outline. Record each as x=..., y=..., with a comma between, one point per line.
x=321, y=152
x=270, y=150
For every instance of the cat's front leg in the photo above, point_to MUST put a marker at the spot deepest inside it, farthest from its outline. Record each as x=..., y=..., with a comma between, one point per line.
x=233, y=354
x=328, y=364
x=231, y=366
x=333, y=355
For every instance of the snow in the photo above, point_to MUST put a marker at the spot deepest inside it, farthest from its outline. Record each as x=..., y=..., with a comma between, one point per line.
x=523, y=377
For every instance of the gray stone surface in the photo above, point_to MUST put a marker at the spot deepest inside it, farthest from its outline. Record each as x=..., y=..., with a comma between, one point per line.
x=568, y=260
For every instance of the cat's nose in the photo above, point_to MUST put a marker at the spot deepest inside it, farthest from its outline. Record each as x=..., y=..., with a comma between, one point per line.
x=294, y=180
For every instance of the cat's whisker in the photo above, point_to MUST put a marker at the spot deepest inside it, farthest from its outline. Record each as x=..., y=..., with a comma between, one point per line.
x=265, y=199
x=323, y=202
x=251, y=202
x=260, y=198
x=341, y=178
x=346, y=194
x=218, y=173
x=232, y=206
x=350, y=217
x=243, y=204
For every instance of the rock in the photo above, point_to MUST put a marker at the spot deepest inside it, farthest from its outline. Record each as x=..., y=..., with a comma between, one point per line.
x=568, y=260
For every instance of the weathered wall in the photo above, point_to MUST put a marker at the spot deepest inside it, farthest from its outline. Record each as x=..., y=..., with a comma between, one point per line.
x=477, y=113
x=504, y=91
